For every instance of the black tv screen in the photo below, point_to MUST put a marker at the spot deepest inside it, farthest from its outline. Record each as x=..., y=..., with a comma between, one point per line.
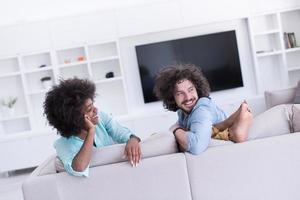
x=216, y=54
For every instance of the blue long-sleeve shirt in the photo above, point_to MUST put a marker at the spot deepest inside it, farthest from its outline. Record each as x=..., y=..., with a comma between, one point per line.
x=107, y=132
x=198, y=123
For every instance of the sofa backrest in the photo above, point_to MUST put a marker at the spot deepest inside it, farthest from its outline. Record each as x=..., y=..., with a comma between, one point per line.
x=156, y=145
x=161, y=177
x=277, y=97
x=258, y=169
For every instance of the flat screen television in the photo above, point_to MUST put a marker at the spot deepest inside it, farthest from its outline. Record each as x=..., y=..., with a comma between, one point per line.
x=216, y=54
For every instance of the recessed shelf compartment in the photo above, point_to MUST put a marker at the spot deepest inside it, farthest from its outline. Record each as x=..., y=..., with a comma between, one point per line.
x=291, y=23
x=36, y=61
x=9, y=66
x=102, y=51
x=36, y=83
x=12, y=89
x=73, y=55
x=79, y=71
x=105, y=69
x=267, y=43
x=264, y=23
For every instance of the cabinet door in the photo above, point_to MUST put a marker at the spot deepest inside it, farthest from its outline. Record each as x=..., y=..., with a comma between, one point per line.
x=24, y=153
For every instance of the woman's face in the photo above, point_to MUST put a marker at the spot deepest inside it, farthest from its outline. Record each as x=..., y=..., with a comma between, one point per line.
x=90, y=110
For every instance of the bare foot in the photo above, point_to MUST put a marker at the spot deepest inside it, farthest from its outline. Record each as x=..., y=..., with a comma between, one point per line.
x=232, y=118
x=239, y=129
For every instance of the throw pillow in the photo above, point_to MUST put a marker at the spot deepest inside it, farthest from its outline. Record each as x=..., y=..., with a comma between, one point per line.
x=295, y=118
x=297, y=96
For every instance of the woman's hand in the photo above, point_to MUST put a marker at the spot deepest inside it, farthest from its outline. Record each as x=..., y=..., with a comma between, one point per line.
x=88, y=123
x=133, y=151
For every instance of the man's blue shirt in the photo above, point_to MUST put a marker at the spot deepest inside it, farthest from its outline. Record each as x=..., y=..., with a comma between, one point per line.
x=198, y=123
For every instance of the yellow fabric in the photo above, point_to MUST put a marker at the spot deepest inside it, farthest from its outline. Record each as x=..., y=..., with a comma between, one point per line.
x=220, y=135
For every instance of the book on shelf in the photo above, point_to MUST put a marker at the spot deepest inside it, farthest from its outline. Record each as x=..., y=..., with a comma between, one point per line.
x=290, y=40
x=286, y=40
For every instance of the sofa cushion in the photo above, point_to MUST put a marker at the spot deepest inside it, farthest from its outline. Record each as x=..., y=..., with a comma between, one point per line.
x=284, y=96
x=257, y=169
x=159, y=178
x=272, y=122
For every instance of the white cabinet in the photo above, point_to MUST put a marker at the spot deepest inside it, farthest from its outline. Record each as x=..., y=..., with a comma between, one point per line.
x=276, y=66
x=28, y=77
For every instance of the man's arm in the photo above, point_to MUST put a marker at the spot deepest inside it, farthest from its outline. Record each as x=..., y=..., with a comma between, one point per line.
x=181, y=138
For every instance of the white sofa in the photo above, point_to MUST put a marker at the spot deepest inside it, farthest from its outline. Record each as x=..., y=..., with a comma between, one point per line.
x=265, y=168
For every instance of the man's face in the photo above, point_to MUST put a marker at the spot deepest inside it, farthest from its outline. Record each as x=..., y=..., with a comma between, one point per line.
x=185, y=95
x=91, y=111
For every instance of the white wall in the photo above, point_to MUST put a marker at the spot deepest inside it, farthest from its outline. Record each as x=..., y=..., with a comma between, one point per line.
x=129, y=61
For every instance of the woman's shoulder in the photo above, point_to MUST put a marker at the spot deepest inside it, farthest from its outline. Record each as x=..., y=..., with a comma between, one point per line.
x=64, y=142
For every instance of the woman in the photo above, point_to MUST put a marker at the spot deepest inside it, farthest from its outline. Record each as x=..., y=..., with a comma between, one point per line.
x=69, y=108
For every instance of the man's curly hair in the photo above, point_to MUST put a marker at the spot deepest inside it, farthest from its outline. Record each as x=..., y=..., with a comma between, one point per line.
x=64, y=102
x=167, y=78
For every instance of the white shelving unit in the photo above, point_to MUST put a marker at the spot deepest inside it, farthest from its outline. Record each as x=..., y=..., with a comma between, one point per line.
x=22, y=75
x=276, y=66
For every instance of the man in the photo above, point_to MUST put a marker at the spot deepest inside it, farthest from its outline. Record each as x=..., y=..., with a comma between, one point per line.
x=184, y=89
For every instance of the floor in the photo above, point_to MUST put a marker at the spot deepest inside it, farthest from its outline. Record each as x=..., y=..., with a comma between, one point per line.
x=11, y=184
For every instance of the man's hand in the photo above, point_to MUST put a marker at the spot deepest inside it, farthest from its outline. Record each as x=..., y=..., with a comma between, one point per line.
x=133, y=151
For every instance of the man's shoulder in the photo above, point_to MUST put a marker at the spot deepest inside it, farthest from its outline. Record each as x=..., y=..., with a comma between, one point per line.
x=203, y=103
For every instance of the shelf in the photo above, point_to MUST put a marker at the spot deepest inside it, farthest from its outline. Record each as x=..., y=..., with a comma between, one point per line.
x=290, y=69
x=70, y=56
x=264, y=23
x=292, y=49
x=108, y=80
x=73, y=64
x=79, y=70
x=275, y=31
x=105, y=59
x=273, y=53
x=35, y=61
x=10, y=74
x=14, y=118
x=38, y=92
x=39, y=69
x=104, y=50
